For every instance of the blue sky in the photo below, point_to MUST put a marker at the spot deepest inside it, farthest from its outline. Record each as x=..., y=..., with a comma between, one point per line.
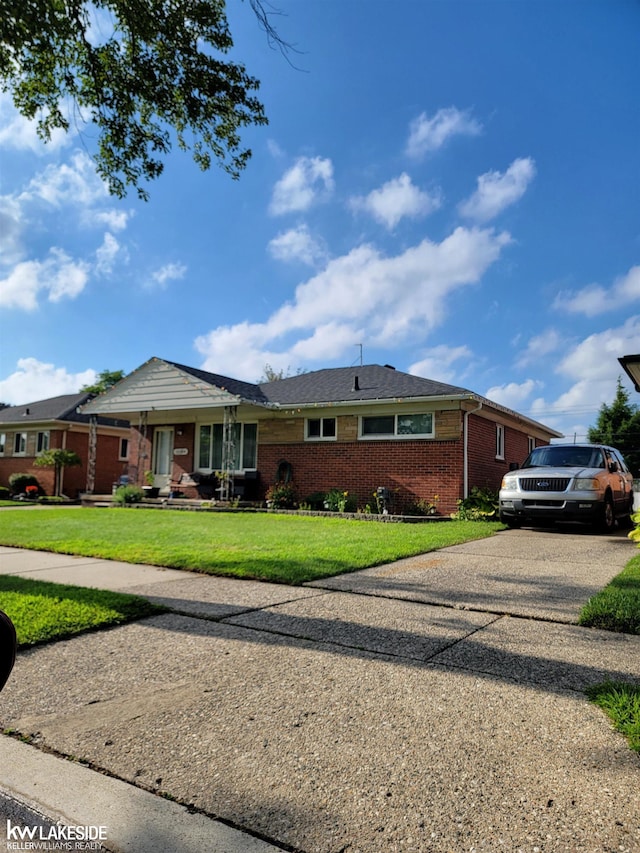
x=449, y=187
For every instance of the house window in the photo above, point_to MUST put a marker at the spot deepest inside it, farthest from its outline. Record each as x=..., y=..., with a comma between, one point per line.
x=397, y=426
x=3, y=442
x=20, y=444
x=499, y=441
x=532, y=443
x=320, y=429
x=210, y=447
x=124, y=449
x=42, y=442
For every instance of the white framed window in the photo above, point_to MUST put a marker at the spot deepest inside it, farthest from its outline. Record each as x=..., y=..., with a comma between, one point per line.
x=42, y=442
x=124, y=449
x=531, y=442
x=499, y=441
x=320, y=429
x=397, y=426
x=210, y=447
x=20, y=444
x=3, y=442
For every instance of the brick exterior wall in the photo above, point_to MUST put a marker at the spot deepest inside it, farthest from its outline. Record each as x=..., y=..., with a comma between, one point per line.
x=411, y=470
x=108, y=466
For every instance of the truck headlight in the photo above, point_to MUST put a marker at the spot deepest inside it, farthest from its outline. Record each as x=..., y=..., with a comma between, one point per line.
x=509, y=483
x=586, y=484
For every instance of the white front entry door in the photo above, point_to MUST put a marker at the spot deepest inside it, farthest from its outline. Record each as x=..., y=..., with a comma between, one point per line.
x=162, y=456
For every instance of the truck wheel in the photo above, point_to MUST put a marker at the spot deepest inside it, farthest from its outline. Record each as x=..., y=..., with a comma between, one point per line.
x=608, y=518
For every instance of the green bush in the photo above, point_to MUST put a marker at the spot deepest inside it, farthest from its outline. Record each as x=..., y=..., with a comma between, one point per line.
x=481, y=505
x=18, y=483
x=314, y=501
x=5, y=494
x=635, y=533
x=339, y=500
x=128, y=495
x=281, y=496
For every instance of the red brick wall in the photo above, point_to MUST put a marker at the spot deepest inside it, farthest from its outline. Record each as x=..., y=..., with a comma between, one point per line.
x=108, y=467
x=484, y=469
x=412, y=470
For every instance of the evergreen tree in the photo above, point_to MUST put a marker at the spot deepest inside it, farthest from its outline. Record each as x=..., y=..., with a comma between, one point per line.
x=618, y=425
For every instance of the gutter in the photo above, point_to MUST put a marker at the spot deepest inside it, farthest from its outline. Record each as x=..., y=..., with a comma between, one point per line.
x=465, y=451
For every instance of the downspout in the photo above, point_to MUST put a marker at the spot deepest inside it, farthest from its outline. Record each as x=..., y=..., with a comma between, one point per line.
x=465, y=473
x=61, y=472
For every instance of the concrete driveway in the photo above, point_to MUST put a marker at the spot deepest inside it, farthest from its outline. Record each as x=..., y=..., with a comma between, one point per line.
x=395, y=709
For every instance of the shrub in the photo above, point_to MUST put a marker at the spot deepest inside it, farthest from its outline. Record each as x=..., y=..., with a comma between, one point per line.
x=481, y=505
x=281, y=496
x=128, y=495
x=338, y=500
x=5, y=494
x=635, y=533
x=18, y=483
x=314, y=501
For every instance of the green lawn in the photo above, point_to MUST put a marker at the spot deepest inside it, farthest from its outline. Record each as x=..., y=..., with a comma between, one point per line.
x=621, y=701
x=282, y=548
x=42, y=611
x=617, y=606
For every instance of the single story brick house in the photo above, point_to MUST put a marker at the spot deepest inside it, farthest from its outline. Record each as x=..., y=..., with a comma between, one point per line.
x=352, y=428
x=27, y=431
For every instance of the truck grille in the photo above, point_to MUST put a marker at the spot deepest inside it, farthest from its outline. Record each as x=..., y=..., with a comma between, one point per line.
x=544, y=484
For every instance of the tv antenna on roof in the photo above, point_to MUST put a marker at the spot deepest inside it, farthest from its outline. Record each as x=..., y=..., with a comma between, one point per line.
x=360, y=345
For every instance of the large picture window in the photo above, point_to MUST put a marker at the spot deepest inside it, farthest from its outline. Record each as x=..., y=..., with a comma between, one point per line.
x=210, y=447
x=397, y=426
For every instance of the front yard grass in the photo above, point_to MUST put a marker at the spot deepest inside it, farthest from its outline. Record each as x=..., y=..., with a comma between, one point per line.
x=621, y=701
x=280, y=548
x=43, y=611
x=617, y=606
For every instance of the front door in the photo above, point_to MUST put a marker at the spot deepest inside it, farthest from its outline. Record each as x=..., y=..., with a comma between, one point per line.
x=162, y=456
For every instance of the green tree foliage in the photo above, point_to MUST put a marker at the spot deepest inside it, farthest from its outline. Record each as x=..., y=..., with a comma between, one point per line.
x=57, y=459
x=136, y=71
x=105, y=380
x=619, y=426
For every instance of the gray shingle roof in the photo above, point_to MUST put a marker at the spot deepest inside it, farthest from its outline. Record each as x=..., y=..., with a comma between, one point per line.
x=245, y=390
x=374, y=382
x=62, y=408
x=332, y=385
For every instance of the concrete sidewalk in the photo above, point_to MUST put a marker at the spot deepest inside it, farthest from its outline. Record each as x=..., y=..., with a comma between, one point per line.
x=398, y=708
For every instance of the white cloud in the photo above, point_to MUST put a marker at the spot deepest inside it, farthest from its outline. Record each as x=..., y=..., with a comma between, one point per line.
x=539, y=346
x=21, y=133
x=307, y=181
x=160, y=278
x=513, y=394
x=428, y=134
x=388, y=300
x=75, y=182
x=115, y=220
x=496, y=191
x=438, y=363
x=297, y=244
x=11, y=227
x=593, y=366
x=397, y=198
x=595, y=299
x=35, y=380
x=106, y=254
x=59, y=276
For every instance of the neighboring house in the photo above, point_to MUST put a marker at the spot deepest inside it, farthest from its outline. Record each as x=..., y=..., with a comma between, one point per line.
x=355, y=428
x=27, y=431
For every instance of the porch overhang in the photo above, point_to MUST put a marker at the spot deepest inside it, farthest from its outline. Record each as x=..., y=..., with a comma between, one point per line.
x=631, y=366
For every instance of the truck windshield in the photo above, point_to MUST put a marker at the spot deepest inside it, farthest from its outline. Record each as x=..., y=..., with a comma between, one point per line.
x=559, y=456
